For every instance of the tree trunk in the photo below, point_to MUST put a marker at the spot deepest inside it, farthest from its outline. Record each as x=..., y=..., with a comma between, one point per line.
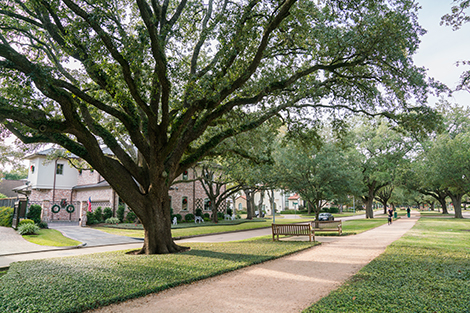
x=215, y=218
x=260, y=203
x=157, y=225
x=368, y=200
x=384, y=203
x=316, y=209
x=249, y=209
x=442, y=201
x=271, y=201
x=457, y=201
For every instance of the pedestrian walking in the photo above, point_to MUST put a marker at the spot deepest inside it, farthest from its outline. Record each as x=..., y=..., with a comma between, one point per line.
x=390, y=216
x=408, y=211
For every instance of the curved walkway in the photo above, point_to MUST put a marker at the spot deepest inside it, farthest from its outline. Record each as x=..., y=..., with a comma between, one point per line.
x=288, y=284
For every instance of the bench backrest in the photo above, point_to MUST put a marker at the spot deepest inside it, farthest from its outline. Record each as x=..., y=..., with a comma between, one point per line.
x=293, y=229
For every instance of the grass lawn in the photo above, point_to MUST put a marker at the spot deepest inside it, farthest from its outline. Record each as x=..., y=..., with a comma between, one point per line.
x=51, y=237
x=349, y=228
x=74, y=284
x=435, y=213
x=427, y=270
x=206, y=228
x=354, y=227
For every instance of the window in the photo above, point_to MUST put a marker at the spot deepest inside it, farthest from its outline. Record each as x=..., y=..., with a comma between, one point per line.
x=240, y=207
x=207, y=204
x=184, y=204
x=32, y=169
x=80, y=172
x=185, y=175
x=60, y=169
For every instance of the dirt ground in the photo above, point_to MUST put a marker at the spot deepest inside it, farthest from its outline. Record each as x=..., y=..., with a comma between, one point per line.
x=289, y=284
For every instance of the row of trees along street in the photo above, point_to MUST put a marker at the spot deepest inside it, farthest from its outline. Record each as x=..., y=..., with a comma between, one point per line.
x=371, y=159
x=168, y=84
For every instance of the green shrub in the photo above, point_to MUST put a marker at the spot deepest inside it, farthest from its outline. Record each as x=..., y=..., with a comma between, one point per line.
x=25, y=221
x=6, y=216
x=43, y=225
x=112, y=220
x=179, y=218
x=98, y=215
x=189, y=217
x=229, y=211
x=28, y=229
x=333, y=210
x=131, y=217
x=34, y=213
x=198, y=212
x=107, y=213
x=90, y=218
x=220, y=215
x=207, y=215
x=120, y=213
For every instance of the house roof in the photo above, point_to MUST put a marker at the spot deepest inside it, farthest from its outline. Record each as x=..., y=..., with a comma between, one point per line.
x=101, y=184
x=7, y=186
x=242, y=196
x=294, y=197
x=50, y=151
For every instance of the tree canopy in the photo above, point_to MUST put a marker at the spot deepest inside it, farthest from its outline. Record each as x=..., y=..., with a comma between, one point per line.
x=162, y=83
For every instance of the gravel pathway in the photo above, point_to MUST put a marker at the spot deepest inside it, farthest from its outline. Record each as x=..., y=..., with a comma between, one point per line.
x=289, y=284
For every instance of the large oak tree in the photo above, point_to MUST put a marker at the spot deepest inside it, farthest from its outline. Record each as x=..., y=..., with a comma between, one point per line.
x=162, y=83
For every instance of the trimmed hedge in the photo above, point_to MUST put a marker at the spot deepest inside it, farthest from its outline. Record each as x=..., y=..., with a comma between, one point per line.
x=6, y=216
x=107, y=213
x=34, y=213
x=25, y=221
x=131, y=217
x=189, y=217
x=120, y=213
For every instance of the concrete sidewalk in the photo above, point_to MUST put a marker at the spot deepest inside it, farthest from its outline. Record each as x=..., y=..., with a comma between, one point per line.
x=288, y=284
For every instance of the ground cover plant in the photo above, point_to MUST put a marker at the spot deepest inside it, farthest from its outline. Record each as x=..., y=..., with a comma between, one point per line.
x=427, y=270
x=51, y=237
x=75, y=284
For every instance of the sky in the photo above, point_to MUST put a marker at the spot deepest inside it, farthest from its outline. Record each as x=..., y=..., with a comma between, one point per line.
x=442, y=47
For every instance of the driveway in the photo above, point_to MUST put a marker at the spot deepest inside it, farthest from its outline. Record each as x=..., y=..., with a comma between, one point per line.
x=92, y=237
x=11, y=243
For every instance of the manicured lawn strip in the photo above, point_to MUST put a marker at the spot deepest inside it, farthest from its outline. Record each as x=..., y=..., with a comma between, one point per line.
x=51, y=237
x=354, y=227
x=435, y=213
x=202, y=230
x=75, y=284
x=428, y=270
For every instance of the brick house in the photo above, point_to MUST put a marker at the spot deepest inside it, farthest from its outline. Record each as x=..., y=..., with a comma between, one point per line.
x=55, y=184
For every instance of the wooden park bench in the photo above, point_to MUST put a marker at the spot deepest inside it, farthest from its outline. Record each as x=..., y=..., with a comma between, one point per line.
x=293, y=230
x=329, y=226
